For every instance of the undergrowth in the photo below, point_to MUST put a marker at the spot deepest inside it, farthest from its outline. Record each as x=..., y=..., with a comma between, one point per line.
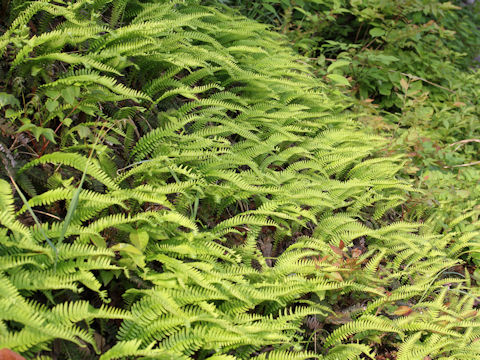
x=411, y=66
x=177, y=183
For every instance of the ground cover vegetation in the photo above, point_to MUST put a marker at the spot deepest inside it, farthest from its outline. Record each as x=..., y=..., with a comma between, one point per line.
x=178, y=182
x=411, y=66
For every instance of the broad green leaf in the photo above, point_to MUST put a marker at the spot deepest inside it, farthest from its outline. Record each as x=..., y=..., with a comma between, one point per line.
x=51, y=105
x=269, y=8
x=128, y=248
x=8, y=99
x=69, y=94
x=337, y=64
x=139, y=239
x=48, y=134
x=385, y=88
x=375, y=32
x=67, y=122
x=83, y=131
x=338, y=79
x=53, y=93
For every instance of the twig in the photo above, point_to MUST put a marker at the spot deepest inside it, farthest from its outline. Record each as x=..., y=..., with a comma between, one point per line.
x=465, y=141
x=47, y=214
x=462, y=165
x=358, y=32
x=462, y=142
x=414, y=77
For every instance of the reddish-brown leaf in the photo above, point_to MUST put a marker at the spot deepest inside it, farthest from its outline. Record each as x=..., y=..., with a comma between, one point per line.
x=351, y=262
x=403, y=311
x=7, y=354
x=341, y=244
x=336, y=250
x=381, y=289
x=356, y=253
x=470, y=314
x=335, y=276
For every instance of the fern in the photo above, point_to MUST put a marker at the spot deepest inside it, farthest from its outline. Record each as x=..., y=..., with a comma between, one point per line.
x=252, y=200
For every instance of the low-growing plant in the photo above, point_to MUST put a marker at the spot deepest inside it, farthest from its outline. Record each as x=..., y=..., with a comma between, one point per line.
x=207, y=197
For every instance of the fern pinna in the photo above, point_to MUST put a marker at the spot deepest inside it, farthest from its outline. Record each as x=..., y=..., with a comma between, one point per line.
x=232, y=206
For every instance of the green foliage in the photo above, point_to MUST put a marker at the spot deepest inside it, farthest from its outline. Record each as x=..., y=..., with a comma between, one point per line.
x=196, y=176
x=410, y=65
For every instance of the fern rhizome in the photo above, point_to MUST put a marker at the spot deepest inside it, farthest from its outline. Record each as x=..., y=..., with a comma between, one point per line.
x=231, y=207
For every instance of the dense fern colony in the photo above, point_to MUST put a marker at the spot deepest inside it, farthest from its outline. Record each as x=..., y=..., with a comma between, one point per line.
x=192, y=191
